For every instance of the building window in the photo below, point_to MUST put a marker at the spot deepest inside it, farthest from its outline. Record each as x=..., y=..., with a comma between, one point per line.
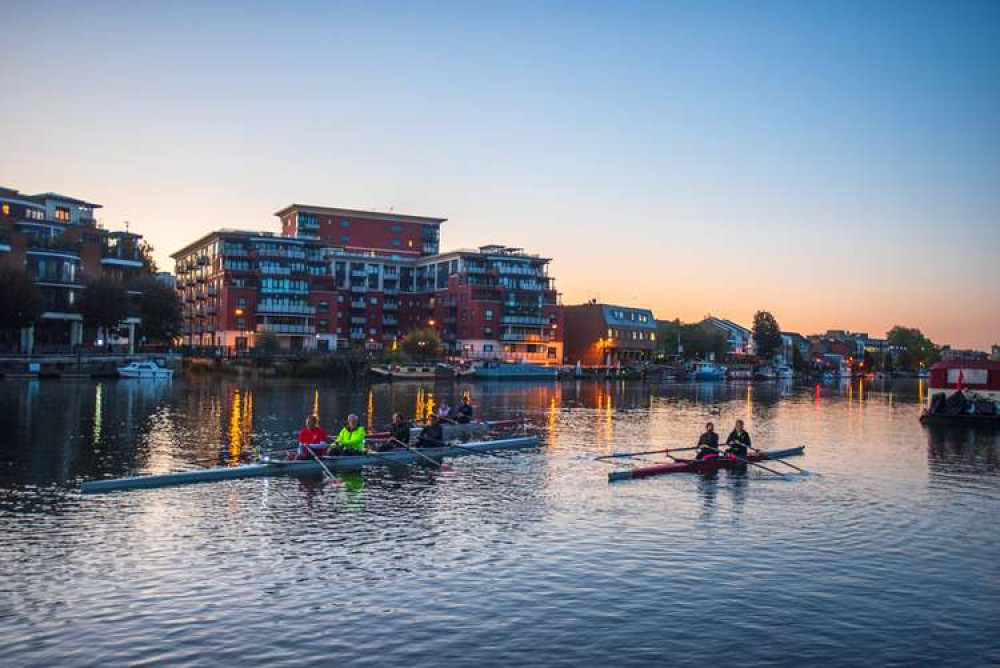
x=340, y=298
x=323, y=324
x=397, y=242
x=241, y=302
x=374, y=301
x=372, y=331
x=62, y=213
x=345, y=223
x=487, y=331
x=487, y=347
x=323, y=307
x=241, y=323
x=344, y=239
x=397, y=228
x=5, y=209
x=489, y=314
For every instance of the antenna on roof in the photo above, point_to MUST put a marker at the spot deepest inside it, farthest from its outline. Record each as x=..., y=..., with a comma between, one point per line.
x=126, y=226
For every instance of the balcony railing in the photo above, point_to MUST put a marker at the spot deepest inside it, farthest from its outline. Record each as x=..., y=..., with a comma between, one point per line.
x=281, y=328
x=358, y=320
x=266, y=306
x=55, y=244
x=390, y=306
x=524, y=320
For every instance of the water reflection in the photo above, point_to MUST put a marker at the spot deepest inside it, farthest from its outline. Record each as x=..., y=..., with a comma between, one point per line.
x=963, y=449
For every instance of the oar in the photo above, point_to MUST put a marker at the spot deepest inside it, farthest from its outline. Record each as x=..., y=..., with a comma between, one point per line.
x=645, y=452
x=467, y=449
x=745, y=461
x=440, y=465
x=330, y=477
x=782, y=461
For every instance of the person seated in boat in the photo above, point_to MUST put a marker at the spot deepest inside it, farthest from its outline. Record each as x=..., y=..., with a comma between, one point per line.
x=399, y=432
x=444, y=412
x=463, y=413
x=432, y=435
x=738, y=443
x=708, y=443
x=312, y=437
x=351, y=439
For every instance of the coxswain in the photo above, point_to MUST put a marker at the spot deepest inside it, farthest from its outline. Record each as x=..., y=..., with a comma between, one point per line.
x=432, y=435
x=708, y=443
x=312, y=437
x=351, y=439
x=738, y=443
x=463, y=413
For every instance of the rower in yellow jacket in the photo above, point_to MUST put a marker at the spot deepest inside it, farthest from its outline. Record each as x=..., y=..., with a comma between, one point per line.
x=351, y=439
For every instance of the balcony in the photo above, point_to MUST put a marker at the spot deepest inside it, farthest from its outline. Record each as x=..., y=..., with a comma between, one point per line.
x=390, y=306
x=357, y=334
x=282, y=328
x=524, y=320
x=530, y=338
x=390, y=320
x=391, y=291
x=357, y=303
x=359, y=273
x=293, y=308
x=55, y=245
x=355, y=320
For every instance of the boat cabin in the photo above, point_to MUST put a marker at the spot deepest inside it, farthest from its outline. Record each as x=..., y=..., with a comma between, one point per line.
x=981, y=377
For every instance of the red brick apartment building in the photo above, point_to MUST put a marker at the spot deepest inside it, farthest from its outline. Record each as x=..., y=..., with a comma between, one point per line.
x=57, y=240
x=608, y=335
x=339, y=277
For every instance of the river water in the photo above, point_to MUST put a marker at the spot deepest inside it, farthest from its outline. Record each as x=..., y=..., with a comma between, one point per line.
x=887, y=553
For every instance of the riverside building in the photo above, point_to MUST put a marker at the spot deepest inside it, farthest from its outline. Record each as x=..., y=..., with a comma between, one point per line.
x=338, y=278
x=57, y=240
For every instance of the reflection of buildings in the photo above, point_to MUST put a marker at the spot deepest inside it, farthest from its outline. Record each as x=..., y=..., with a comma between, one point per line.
x=57, y=240
x=952, y=449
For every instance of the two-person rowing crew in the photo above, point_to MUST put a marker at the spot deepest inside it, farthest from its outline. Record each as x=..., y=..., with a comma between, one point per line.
x=351, y=438
x=737, y=444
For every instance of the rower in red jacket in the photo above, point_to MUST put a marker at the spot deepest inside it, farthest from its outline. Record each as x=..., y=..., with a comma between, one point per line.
x=312, y=437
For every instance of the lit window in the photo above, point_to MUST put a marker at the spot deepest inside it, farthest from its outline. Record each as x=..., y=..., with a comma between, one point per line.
x=5, y=209
x=62, y=213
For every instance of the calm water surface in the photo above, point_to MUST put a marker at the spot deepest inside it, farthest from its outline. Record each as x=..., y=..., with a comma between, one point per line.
x=887, y=553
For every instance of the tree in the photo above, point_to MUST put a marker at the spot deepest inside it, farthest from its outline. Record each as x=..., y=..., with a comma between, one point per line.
x=668, y=336
x=916, y=349
x=422, y=342
x=702, y=341
x=160, y=310
x=146, y=253
x=103, y=304
x=21, y=301
x=766, y=334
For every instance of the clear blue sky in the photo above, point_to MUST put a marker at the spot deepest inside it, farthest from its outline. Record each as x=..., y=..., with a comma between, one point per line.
x=837, y=163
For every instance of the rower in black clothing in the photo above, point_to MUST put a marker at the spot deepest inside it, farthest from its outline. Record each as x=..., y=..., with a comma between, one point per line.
x=399, y=431
x=431, y=436
x=739, y=441
x=708, y=443
x=463, y=413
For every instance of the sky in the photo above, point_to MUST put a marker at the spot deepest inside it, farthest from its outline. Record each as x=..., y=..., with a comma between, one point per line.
x=835, y=163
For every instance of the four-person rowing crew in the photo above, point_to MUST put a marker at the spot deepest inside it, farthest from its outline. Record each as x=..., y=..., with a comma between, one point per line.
x=737, y=444
x=350, y=439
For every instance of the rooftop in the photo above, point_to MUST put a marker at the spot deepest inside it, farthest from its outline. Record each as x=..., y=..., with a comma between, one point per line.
x=360, y=213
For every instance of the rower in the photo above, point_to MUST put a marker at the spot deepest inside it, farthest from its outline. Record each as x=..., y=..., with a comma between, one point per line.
x=399, y=432
x=444, y=411
x=708, y=443
x=351, y=439
x=463, y=413
x=739, y=441
x=431, y=436
x=312, y=437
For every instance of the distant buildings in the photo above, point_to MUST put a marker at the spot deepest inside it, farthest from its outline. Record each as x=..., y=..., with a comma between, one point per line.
x=738, y=338
x=608, y=335
x=336, y=278
x=949, y=354
x=57, y=240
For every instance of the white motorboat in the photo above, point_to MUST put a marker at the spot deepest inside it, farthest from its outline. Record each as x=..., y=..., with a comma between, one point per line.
x=144, y=370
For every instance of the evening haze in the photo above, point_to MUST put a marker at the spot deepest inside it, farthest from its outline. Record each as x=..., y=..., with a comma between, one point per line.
x=837, y=164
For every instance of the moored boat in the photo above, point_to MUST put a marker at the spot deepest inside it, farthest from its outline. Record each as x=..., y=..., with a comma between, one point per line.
x=708, y=372
x=413, y=371
x=963, y=392
x=146, y=369
x=698, y=465
x=305, y=467
x=510, y=371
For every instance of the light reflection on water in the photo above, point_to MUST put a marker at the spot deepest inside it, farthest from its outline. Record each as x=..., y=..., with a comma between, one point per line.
x=886, y=553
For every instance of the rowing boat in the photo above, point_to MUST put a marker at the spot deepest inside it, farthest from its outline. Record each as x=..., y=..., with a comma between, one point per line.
x=698, y=465
x=303, y=467
x=453, y=430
